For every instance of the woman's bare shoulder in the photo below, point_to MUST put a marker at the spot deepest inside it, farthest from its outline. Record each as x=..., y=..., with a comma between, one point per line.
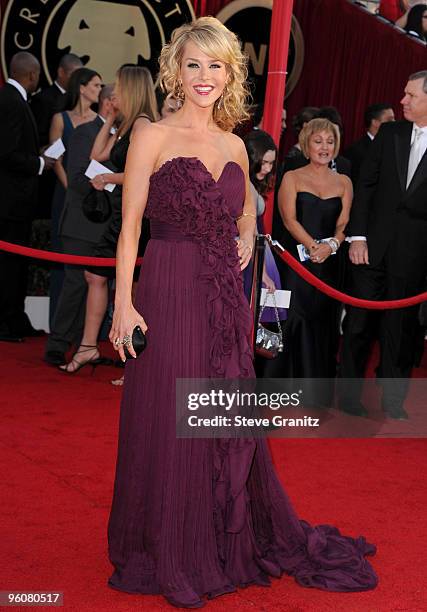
x=291, y=177
x=145, y=130
x=57, y=119
x=343, y=183
x=237, y=148
x=147, y=143
x=234, y=141
x=140, y=121
x=163, y=130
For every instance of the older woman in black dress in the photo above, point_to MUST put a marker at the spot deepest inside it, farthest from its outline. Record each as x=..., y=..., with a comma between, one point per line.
x=314, y=202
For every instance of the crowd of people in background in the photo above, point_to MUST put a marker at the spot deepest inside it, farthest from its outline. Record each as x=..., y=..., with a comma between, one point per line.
x=411, y=15
x=313, y=184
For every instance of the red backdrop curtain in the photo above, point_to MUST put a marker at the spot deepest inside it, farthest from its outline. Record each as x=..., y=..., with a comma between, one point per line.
x=352, y=60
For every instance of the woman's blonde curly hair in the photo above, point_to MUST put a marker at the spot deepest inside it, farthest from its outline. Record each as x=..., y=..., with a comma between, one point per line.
x=214, y=39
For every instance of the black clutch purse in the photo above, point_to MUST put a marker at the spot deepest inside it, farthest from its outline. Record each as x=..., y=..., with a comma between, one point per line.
x=96, y=206
x=139, y=342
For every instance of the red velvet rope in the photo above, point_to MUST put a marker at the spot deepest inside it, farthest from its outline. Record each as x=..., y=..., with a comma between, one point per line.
x=348, y=299
x=78, y=260
x=291, y=261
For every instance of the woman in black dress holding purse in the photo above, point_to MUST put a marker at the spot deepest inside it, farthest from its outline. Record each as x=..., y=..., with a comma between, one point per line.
x=314, y=202
x=135, y=101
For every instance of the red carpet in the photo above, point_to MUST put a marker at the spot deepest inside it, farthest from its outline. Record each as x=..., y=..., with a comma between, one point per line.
x=58, y=448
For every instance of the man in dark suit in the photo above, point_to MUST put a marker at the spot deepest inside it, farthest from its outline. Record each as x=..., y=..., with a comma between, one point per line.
x=388, y=234
x=79, y=236
x=44, y=105
x=50, y=100
x=20, y=167
x=375, y=116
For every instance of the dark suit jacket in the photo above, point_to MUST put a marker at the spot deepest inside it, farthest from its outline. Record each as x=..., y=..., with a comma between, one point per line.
x=44, y=105
x=19, y=156
x=357, y=153
x=73, y=223
x=387, y=213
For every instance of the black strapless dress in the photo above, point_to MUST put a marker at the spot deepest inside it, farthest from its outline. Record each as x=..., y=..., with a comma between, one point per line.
x=108, y=244
x=311, y=333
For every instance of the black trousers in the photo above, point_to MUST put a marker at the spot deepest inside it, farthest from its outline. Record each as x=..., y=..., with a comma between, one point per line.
x=13, y=279
x=397, y=330
x=68, y=321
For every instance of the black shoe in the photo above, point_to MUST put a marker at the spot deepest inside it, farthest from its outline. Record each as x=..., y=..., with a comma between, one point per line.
x=397, y=413
x=10, y=338
x=55, y=358
x=77, y=364
x=353, y=408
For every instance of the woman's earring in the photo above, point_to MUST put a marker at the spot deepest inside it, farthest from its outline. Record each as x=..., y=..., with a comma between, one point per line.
x=220, y=101
x=179, y=91
x=178, y=94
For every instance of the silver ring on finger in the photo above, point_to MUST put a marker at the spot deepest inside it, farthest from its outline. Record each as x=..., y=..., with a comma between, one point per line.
x=117, y=342
x=126, y=340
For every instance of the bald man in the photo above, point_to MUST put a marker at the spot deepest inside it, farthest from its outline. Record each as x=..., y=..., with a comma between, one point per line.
x=20, y=166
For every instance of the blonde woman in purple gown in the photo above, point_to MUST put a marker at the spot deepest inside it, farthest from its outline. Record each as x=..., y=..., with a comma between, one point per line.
x=196, y=518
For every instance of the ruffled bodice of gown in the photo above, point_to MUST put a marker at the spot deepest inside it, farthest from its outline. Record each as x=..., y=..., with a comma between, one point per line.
x=185, y=202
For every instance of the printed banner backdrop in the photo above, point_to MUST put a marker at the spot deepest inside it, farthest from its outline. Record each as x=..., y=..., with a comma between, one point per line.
x=104, y=33
x=339, y=55
x=251, y=20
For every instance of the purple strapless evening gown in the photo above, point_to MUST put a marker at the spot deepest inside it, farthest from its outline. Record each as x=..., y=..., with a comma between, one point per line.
x=195, y=517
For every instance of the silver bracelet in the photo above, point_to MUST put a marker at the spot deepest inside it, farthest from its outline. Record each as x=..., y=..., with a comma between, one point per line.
x=333, y=243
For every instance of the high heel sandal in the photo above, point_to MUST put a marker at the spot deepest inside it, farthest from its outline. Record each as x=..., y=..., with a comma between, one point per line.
x=80, y=364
